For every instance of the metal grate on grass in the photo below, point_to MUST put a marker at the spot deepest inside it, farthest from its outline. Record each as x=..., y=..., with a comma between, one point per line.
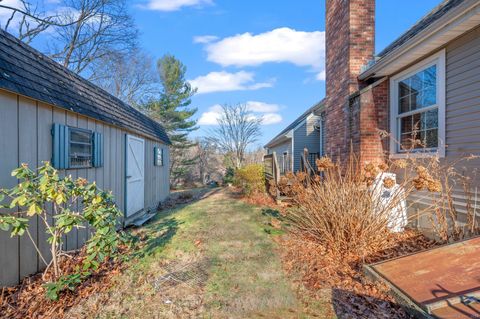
x=193, y=274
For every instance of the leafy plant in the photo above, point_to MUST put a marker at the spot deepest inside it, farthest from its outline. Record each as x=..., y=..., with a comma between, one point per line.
x=229, y=175
x=62, y=204
x=251, y=179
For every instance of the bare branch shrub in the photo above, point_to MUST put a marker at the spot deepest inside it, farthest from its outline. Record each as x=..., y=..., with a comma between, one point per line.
x=352, y=209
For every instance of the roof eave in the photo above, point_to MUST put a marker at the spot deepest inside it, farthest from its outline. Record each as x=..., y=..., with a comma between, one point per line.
x=460, y=20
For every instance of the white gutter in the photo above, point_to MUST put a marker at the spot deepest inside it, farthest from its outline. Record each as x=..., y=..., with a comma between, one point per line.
x=459, y=20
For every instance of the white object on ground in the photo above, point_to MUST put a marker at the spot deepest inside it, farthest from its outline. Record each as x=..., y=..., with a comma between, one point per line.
x=397, y=219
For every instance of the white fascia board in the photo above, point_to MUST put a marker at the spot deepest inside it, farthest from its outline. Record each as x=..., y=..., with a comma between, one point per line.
x=453, y=24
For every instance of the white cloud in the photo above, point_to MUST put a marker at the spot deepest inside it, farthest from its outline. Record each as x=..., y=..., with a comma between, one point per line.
x=262, y=110
x=321, y=76
x=211, y=116
x=5, y=14
x=300, y=48
x=204, y=39
x=271, y=118
x=224, y=81
x=174, y=5
x=261, y=107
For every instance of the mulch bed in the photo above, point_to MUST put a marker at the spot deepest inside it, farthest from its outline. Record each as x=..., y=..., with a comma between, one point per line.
x=28, y=300
x=354, y=296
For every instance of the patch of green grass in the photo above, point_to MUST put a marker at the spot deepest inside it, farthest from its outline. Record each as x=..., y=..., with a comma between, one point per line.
x=236, y=267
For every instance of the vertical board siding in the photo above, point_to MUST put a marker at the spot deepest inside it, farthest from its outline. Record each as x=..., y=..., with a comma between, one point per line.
x=9, y=247
x=44, y=142
x=72, y=237
x=27, y=153
x=82, y=233
x=25, y=137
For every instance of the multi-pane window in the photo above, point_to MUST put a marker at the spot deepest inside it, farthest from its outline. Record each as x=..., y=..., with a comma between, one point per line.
x=80, y=148
x=418, y=106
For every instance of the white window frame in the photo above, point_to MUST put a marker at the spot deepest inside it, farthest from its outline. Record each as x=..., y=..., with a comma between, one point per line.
x=435, y=59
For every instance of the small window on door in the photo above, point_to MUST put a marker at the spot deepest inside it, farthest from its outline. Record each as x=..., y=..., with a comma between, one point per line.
x=80, y=148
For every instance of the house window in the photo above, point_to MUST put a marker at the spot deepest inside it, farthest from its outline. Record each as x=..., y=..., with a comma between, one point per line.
x=418, y=108
x=80, y=148
x=158, y=156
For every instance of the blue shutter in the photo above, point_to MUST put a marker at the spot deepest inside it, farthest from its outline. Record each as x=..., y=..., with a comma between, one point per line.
x=97, y=149
x=61, y=137
x=155, y=155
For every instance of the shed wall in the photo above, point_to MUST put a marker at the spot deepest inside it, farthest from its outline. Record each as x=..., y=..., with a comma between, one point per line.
x=25, y=137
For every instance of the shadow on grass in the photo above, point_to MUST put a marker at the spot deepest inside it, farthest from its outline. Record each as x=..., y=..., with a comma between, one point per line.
x=154, y=236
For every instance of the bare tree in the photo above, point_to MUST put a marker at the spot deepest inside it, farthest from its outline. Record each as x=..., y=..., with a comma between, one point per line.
x=131, y=77
x=237, y=129
x=85, y=31
x=27, y=20
x=210, y=162
x=94, y=29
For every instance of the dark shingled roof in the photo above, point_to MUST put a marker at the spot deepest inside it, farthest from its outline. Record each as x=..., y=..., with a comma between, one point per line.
x=25, y=71
x=297, y=121
x=421, y=25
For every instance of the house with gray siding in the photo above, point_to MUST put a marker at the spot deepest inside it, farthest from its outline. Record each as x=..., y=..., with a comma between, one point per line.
x=48, y=113
x=424, y=85
x=303, y=133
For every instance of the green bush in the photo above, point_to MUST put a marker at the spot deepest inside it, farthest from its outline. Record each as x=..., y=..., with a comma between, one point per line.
x=251, y=179
x=55, y=200
x=229, y=176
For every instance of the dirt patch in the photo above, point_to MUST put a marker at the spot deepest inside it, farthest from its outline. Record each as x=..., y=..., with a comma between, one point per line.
x=353, y=295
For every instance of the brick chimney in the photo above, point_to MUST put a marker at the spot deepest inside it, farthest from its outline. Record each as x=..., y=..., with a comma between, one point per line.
x=350, y=43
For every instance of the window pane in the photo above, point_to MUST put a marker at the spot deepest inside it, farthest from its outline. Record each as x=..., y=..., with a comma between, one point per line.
x=429, y=96
x=431, y=139
x=421, y=88
x=80, y=148
x=430, y=76
x=404, y=88
x=80, y=136
x=419, y=130
x=405, y=104
x=406, y=125
x=431, y=119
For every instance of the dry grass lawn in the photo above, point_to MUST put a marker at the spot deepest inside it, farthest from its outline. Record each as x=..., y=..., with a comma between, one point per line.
x=214, y=258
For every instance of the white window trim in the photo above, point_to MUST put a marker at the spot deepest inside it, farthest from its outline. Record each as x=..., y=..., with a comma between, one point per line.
x=438, y=59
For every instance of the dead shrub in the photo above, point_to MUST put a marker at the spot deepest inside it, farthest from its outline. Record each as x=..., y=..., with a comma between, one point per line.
x=342, y=208
x=352, y=209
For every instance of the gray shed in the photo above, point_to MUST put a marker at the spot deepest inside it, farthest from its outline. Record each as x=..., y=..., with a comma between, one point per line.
x=48, y=113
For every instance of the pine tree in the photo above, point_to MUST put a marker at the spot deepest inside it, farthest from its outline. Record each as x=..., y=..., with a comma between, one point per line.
x=172, y=109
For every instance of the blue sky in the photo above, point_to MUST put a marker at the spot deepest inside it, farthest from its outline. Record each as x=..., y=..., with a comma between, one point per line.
x=268, y=54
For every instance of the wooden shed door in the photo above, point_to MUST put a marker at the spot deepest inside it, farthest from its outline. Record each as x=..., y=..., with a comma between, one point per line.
x=135, y=190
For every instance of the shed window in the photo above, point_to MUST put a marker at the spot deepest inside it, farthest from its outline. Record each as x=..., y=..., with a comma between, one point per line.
x=158, y=156
x=80, y=148
x=418, y=108
x=76, y=148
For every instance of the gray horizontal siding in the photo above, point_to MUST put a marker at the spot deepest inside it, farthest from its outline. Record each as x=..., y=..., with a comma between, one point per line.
x=462, y=113
x=279, y=149
x=307, y=137
x=25, y=137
